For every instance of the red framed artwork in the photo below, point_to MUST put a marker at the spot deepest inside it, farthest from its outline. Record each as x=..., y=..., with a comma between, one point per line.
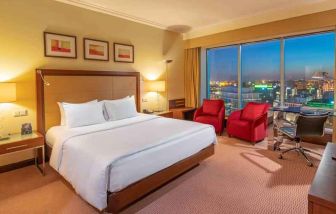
x=59, y=45
x=123, y=53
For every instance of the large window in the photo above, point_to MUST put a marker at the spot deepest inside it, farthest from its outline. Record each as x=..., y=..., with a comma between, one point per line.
x=260, y=72
x=309, y=70
x=293, y=71
x=222, y=65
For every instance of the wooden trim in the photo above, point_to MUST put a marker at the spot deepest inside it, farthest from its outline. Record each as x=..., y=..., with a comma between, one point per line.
x=108, y=50
x=45, y=45
x=114, y=52
x=41, y=73
x=17, y=165
x=119, y=200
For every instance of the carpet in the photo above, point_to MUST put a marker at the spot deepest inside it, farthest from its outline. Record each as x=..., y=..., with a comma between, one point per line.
x=239, y=178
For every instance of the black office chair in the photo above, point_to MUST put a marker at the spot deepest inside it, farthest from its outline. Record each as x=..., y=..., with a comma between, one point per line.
x=306, y=126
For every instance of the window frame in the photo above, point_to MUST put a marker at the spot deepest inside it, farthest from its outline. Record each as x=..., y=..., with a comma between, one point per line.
x=282, y=63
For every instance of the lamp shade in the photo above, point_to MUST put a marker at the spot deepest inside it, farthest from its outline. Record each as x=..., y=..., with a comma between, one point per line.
x=7, y=92
x=155, y=86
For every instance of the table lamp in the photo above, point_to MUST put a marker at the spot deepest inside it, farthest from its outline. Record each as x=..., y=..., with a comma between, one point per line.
x=7, y=95
x=155, y=86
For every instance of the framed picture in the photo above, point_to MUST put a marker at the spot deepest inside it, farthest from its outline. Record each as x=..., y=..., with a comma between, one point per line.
x=59, y=45
x=96, y=49
x=123, y=53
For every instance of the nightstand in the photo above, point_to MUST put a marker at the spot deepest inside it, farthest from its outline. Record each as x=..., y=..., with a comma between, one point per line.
x=18, y=142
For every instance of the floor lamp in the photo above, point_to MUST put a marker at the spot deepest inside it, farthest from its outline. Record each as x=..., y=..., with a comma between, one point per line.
x=168, y=61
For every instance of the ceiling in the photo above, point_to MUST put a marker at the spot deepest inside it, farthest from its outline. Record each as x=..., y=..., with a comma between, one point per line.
x=196, y=18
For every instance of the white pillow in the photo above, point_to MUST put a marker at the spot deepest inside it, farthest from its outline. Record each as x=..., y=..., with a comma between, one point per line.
x=77, y=115
x=60, y=106
x=121, y=109
x=104, y=108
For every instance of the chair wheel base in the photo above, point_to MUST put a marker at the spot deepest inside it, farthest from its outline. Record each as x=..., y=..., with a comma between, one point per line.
x=280, y=156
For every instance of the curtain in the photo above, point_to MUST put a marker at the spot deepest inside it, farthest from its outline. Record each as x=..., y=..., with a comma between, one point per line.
x=192, y=76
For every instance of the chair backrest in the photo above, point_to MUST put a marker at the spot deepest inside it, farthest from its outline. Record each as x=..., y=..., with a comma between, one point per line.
x=212, y=107
x=254, y=110
x=310, y=125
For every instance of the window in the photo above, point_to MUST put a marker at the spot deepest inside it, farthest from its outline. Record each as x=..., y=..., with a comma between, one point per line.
x=309, y=70
x=222, y=71
x=260, y=72
x=307, y=77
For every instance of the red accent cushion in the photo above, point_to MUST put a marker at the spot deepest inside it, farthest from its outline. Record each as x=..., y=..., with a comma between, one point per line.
x=252, y=111
x=212, y=107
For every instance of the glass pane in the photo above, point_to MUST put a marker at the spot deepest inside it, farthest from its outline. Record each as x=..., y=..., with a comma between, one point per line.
x=309, y=70
x=222, y=76
x=261, y=72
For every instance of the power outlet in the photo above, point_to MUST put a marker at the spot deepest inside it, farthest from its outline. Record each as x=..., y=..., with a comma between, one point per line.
x=21, y=113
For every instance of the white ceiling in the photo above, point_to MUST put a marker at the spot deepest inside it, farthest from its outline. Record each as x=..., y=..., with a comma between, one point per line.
x=197, y=18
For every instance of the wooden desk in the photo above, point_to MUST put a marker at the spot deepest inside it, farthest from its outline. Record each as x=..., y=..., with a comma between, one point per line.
x=168, y=114
x=322, y=193
x=185, y=113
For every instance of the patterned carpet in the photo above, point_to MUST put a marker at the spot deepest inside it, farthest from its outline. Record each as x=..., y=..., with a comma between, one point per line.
x=239, y=178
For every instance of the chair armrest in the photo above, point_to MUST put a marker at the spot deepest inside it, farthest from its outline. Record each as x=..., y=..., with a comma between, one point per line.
x=198, y=112
x=259, y=120
x=221, y=114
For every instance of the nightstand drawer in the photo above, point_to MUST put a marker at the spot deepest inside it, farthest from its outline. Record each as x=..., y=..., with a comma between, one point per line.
x=21, y=145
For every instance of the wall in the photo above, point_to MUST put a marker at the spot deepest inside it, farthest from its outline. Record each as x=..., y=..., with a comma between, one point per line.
x=21, y=37
x=301, y=24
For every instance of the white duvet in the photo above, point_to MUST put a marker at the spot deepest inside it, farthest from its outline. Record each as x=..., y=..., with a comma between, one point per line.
x=85, y=155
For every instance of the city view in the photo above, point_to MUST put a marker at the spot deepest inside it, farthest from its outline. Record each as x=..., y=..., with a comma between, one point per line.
x=308, y=72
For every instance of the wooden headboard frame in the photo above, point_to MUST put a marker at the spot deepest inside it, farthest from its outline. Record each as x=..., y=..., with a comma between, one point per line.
x=41, y=73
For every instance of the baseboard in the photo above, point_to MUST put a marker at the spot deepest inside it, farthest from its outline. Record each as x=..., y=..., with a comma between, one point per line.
x=17, y=165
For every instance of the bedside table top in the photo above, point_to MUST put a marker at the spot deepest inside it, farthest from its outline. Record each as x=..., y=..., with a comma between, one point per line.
x=18, y=137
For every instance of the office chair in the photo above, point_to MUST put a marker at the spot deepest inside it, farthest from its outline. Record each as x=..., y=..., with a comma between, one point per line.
x=306, y=126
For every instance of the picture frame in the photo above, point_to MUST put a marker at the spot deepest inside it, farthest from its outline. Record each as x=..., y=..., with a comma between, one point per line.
x=96, y=49
x=123, y=53
x=59, y=45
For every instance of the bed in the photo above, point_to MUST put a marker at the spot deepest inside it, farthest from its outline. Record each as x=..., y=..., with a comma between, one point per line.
x=136, y=155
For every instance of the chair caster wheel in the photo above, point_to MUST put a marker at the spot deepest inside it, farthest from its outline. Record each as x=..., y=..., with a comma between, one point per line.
x=280, y=156
x=310, y=164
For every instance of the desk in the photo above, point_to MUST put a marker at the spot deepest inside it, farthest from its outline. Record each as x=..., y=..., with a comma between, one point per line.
x=322, y=193
x=184, y=113
x=289, y=114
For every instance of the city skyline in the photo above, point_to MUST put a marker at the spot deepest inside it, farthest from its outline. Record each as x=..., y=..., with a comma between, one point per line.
x=304, y=55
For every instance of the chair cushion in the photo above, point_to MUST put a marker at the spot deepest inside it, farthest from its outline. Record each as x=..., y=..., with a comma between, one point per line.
x=252, y=111
x=240, y=125
x=212, y=107
x=207, y=119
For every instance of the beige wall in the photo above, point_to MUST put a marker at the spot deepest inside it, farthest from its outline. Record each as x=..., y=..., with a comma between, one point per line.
x=22, y=23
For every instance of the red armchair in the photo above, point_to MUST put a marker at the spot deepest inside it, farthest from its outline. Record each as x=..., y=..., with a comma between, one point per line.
x=249, y=123
x=212, y=112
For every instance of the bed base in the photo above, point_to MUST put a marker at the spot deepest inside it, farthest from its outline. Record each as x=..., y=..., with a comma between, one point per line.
x=117, y=201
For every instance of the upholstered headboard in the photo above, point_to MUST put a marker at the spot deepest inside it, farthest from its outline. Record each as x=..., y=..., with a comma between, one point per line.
x=77, y=86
